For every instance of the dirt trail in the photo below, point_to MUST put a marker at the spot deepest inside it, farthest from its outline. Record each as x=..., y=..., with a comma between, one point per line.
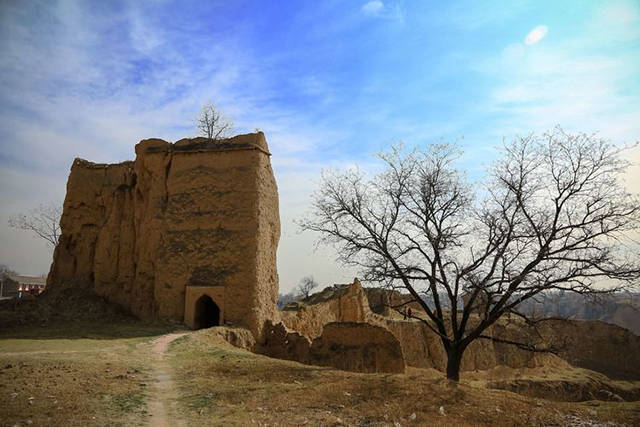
x=161, y=401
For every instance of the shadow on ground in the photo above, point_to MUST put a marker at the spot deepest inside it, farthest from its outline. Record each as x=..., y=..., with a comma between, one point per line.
x=132, y=328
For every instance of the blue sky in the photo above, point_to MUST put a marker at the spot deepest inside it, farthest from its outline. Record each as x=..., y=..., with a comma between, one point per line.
x=329, y=82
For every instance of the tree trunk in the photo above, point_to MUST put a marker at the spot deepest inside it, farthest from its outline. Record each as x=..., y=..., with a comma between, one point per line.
x=454, y=358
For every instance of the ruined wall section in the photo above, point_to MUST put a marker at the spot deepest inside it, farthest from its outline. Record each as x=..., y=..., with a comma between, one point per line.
x=268, y=236
x=151, y=199
x=423, y=348
x=350, y=346
x=97, y=230
x=193, y=213
x=208, y=235
x=358, y=347
x=344, y=305
x=598, y=346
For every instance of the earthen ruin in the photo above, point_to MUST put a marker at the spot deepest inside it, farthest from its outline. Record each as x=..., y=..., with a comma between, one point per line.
x=594, y=345
x=188, y=231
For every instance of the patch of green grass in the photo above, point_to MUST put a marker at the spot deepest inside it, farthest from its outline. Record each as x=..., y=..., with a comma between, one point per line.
x=198, y=401
x=129, y=402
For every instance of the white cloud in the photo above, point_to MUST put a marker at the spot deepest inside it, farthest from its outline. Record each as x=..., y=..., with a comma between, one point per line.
x=584, y=82
x=580, y=82
x=389, y=12
x=615, y=22
x=620, y=12
x=536, y=35
x=554, y=87
x=373, y=7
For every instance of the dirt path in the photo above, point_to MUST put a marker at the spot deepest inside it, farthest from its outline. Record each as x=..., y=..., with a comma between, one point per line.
x=161, y=401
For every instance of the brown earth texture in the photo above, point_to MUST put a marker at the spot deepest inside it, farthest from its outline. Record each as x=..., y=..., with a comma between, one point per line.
x=134, y=373
x=598, y=346
x=195, y=213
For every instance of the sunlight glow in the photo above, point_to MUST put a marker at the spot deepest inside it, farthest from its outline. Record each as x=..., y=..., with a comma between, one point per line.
x=536, y=35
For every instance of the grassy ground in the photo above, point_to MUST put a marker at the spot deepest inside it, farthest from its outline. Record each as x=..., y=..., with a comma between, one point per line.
x=99, y=376
x=103, y=375
x=222, y=385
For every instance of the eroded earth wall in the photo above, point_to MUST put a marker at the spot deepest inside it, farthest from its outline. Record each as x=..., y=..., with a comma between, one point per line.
x=598, y=346
x=350, y=346
x=348, y=304
x=191, y=213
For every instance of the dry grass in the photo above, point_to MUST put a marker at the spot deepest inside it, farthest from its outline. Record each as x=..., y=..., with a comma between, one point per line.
x=102, y=380
x=222, y=385
x=561, y=383
x=102, y=376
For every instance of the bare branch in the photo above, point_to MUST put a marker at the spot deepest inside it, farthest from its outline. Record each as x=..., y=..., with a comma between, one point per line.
x=522, y=346
x=43, y=221
x=306, y=285
x=211, y=124
x=552, y=216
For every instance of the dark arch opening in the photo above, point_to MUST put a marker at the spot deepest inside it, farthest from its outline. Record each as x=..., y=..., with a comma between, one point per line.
x=207, y=313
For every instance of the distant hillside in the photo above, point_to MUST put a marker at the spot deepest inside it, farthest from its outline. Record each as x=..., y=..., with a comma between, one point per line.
x=620, y=309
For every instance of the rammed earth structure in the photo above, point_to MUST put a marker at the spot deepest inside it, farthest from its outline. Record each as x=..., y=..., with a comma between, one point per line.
x=188, y=231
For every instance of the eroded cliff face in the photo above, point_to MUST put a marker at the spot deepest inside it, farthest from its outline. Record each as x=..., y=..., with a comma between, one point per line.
x=193, y=213
x=348, y=304
x=598, y=346
x=423, y=349
x=350, y=346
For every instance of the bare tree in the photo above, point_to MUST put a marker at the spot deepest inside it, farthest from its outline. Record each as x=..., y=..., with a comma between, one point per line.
x=552, y=215
x=43, y=221
x=306, y=285
x=6, y=271
x=212, y=124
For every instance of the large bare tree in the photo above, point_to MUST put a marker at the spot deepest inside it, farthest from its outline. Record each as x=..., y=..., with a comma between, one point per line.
x=212, y=124
x=43, y=221
x=552, y=214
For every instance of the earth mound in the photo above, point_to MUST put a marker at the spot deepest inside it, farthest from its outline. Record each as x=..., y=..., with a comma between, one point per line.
x=71, y=301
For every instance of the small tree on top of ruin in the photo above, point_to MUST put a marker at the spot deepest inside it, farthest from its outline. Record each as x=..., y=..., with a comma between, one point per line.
x=43, y=221
x=306, y=285
x=552, y=215
x=212, y=124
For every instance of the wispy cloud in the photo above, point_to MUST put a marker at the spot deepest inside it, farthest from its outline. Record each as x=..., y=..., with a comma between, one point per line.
x=373, y=8
x=536, y=35
x=472, y=15
x=572, y=82
x=378, y=9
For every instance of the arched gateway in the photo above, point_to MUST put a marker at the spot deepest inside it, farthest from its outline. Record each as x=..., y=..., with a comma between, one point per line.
x=207, y=313
x=204, y=306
